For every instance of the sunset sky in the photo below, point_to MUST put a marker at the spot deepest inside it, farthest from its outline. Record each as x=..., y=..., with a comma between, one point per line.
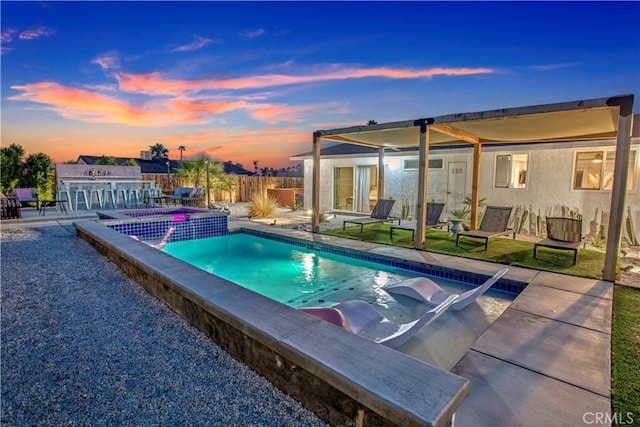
x=246, y=81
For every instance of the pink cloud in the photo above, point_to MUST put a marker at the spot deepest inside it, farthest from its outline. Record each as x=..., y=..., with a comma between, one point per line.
x=95, y=107
x=7, y=35
x=272, y=114
x=157, y=84
x=35, y=33
x=4, y=50
x=107, y=61
x=198, y=43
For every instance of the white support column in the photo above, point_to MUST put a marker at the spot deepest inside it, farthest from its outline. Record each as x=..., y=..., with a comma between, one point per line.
x=423, y=162
x=315, y=191
x=380, y=173
x=618, y=193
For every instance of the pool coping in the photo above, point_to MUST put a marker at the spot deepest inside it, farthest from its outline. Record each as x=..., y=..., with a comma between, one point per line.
x=341, y=377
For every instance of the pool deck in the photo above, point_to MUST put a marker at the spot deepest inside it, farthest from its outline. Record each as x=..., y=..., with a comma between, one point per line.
x=545, y=361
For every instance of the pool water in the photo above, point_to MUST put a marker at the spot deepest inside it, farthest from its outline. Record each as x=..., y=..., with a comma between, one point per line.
x=301, y=277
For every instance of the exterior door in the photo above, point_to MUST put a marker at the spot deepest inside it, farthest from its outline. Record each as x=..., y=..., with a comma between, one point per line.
x=456, y=185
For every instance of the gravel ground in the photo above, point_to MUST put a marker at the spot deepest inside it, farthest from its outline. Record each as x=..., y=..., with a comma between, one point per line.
x=84, y=345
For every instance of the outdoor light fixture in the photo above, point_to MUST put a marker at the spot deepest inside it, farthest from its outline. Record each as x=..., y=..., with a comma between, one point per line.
x=597, y=158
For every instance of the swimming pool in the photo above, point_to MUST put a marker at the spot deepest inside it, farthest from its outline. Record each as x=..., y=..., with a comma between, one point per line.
x=295, y=350
x=304, y=277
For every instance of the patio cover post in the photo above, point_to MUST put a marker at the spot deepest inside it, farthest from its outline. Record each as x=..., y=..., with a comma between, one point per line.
x=475, y=185
x=315, y=191
x=380, y=173
x=423, y=176
x=618, y=192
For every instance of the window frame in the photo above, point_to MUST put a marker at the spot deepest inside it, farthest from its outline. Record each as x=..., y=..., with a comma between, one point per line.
x=607, y=166
x=417, y=160
x=524, y=173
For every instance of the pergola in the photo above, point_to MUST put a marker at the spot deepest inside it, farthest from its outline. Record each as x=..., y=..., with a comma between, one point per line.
x=568, y=121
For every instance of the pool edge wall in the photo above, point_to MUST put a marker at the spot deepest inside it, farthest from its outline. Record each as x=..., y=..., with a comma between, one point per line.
x=342, y=378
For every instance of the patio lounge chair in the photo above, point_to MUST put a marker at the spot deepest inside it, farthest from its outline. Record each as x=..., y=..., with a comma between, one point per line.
x=360, y=318
x=494, y=223
x=26, y=195
x=426, y=290
x=434, y=211
x=380, y=213
x=564, y=234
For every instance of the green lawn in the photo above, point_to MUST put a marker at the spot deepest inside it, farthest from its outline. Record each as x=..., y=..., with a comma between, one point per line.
x=501, y=250
x=625, y=348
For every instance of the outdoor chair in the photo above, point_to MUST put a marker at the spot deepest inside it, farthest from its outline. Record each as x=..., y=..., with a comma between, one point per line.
x=426, y=290
x=26, y=195
x=434, y=211
x=10, y=207
x=380, y=213
x=562, y=234
x=494, y=223
x=360, y=318
x=178, y=194
x=194, y=197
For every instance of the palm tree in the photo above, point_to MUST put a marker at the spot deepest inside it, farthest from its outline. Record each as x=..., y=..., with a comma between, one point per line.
x=159, y=152
x=181, y=148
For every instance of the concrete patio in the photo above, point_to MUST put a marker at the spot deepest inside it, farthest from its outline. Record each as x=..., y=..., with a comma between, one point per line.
x=545, y=361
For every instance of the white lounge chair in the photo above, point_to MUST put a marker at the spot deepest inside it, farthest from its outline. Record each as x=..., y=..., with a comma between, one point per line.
x=159, y=243
x=426, y=290
x=360, y=318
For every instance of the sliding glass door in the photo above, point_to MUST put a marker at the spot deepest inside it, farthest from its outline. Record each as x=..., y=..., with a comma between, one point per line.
x=355, y=188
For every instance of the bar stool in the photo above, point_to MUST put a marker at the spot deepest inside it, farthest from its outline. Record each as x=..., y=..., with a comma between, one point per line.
x=97, y=191
x=133, y=194
x=64, y=190
x=122, y=190
x=81, y=191
x=146, y=193
x=110, y=193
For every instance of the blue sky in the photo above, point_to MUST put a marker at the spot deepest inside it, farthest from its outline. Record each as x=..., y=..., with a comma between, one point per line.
x=246, y=81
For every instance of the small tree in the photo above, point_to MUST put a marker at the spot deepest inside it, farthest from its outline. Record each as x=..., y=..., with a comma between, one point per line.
x=39, y=175
x=12, y=169
x=130, y=162
x=106, y=161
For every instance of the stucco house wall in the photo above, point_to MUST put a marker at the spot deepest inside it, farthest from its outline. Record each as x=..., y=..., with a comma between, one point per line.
x=549, y=185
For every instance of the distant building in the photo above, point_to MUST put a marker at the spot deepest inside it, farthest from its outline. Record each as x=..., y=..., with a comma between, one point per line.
x=149, y=167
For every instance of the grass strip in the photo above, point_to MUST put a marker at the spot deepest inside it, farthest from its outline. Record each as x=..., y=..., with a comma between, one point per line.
x=625, y=344
x=501, y=250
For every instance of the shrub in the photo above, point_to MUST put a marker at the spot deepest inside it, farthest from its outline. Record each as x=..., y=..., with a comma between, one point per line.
x=262, y=206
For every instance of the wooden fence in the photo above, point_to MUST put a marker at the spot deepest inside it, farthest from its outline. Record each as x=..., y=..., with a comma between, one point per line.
x=243, y=187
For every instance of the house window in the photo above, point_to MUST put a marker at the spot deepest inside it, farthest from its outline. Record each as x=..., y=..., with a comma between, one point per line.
x=511, y=171
x=594, y=170
x=434, y=163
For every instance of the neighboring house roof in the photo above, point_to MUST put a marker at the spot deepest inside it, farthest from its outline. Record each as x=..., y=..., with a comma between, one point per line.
x=159, y=166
